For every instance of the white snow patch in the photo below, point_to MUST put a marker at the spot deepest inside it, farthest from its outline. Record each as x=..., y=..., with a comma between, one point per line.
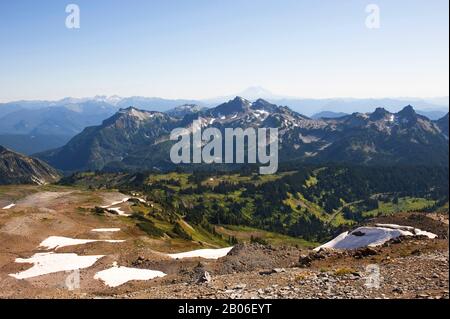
x=117, y=203
x=47, y=263
x=117, y=276
x=262, y=113
x=414, y=231
x=9, y=206
x=106, y=230
x=373, y=236
x=333, y=243
x=395, y=226
x=54, y=242
x=419, y=232
x=203, y=253
x=118, y=211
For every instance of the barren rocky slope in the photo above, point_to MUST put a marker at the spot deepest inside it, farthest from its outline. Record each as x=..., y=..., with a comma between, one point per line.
x=19, y=169
x=414, y=267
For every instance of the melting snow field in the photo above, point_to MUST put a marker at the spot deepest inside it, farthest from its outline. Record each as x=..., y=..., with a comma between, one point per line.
x=9, y=206
x=54, y=242
x=373, y=236
x=105, y=230
x=203, y=253
x=118, y=211
x=117, y=203
x=117, y=276
x=414, y=231
x=47, y=263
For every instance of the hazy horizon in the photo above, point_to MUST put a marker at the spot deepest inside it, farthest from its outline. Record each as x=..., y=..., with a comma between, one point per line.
x=439, y=102
x=228, y=96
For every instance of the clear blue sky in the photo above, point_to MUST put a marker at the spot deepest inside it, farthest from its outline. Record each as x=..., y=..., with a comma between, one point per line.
x=207, y=48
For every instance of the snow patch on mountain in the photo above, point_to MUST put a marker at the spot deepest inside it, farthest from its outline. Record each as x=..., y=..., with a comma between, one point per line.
x=203, y=253
x=48, y=263
x=373, y=236
x=54, y=242
x=117, y=275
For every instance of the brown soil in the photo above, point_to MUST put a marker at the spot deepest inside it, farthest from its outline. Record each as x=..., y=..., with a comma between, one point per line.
x=410, y=268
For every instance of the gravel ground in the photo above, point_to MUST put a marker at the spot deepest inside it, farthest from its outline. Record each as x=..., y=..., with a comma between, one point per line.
x=406, y=268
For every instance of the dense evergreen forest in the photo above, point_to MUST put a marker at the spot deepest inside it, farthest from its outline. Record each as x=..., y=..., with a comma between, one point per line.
x=312, y=202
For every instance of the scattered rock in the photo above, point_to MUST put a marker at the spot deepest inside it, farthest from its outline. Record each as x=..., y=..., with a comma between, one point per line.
x=416, y=252
x=365, y=252
x=278, y=270
x=305, y=261
x=240, y=287
x=358, y=233
x=272, y=271
x=397, y=290
x=204, y=278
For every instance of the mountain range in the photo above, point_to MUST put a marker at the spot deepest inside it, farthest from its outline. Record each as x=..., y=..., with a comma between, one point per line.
x=35, y=126
x=138, y=139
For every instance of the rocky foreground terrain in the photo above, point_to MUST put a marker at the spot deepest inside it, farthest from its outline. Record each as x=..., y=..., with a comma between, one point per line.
x=402, y=268
x=405, y=267
x=409, y=269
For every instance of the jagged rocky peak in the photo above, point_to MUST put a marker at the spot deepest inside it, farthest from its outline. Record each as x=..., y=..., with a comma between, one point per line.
x=131, y=117
x=241, y=100
x=379, y=114
x=136, y=113
x=261, y=104
x=408, y=116
x=408, y=111
x=237, y=105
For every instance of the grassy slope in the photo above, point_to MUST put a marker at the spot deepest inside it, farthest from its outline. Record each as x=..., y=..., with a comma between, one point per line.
x=298, y=205
x=405, y=204
x=244, y=234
